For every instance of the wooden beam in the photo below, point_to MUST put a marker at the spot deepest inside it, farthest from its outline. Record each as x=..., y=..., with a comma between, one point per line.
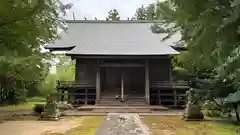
x=121, y=65
x=147, y=82
x=98, y=84
x=119, y=56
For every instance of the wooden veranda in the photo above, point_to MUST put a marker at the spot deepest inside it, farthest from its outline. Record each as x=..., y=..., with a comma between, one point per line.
x=169, y=93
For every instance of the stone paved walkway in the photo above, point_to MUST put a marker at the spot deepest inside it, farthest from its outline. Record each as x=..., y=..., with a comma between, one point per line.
x=130, y=124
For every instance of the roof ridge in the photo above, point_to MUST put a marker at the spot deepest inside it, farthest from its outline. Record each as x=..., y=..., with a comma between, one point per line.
x=113, y=21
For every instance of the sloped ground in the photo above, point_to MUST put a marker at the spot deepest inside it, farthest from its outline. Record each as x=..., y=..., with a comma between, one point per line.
x=173, y=125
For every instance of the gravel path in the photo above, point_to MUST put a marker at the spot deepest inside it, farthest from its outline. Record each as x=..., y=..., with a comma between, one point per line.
x=122, y=124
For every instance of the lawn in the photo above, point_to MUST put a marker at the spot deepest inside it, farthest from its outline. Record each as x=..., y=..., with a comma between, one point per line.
x=169, y=125
x=88, y=126
x=29, y=104
x=17, y=118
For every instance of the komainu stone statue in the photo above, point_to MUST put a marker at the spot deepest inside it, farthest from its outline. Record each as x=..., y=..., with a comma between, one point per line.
x=51, y=110
x=193, y=110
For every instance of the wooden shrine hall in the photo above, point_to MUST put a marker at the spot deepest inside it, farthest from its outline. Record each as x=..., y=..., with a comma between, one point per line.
x=119, y=62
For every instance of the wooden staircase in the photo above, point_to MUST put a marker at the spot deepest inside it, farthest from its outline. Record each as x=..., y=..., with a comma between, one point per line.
x=110, y=100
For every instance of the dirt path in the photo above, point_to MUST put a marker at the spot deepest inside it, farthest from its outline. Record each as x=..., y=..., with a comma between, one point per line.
x=37, y=127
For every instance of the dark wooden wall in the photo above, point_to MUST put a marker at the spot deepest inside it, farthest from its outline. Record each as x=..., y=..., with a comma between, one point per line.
x=159, y=69
x=86, y=71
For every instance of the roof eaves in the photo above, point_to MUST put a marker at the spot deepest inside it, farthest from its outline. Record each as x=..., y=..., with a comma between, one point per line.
x=113, y=21
x=59, y=48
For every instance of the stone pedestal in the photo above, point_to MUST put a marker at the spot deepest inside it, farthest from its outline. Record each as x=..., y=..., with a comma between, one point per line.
x=193, y=112
x=51, y=110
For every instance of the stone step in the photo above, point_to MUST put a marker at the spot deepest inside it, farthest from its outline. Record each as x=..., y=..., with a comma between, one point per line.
x=119, y=110
x=129, y=98
x=118, y=101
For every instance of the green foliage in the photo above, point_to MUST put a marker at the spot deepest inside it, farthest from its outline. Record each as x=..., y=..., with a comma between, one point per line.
x=24, y=27
x=211, y=109
x=180, y=73
x=233, y=98
x=148, y=12
x=211, y=32
x=65, y=68
x=113, y=15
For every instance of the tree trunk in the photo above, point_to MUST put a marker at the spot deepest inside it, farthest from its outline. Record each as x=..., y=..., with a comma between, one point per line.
x=236, y=111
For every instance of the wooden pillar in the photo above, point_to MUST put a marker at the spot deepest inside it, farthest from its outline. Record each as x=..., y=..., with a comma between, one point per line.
x=147, y=82
x=62, y=95
x=98, y=83
x=122, y=86
x=170, y=69
x=158, y=96
x=175, y=97
x=86, y=96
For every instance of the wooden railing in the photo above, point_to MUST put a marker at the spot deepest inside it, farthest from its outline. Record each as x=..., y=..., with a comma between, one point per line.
x=154, y=84
x=74, y=84
x=169, y=84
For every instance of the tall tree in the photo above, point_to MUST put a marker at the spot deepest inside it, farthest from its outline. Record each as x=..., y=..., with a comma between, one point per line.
x=141, y=13
x=147, y=13
x=210, y=30
x=113, y=15
x=24, y=27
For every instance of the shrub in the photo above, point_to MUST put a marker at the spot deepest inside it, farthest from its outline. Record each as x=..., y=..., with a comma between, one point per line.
x=38, y=108
x=211, y=109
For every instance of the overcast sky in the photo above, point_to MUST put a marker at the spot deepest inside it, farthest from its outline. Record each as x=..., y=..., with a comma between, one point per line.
x=99, y=8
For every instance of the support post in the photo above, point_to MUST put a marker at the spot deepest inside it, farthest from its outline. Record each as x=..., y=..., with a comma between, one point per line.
x=175, y=97
x=86, y=96
x=170, y=70
x=147, y=82
x=98, y=83
x=122, y=86
x=62, y=95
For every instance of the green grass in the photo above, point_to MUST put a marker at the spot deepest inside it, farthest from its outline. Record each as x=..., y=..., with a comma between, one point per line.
x=17, y=118
x=87, y=127
x=29, y=104
x=162, y=124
